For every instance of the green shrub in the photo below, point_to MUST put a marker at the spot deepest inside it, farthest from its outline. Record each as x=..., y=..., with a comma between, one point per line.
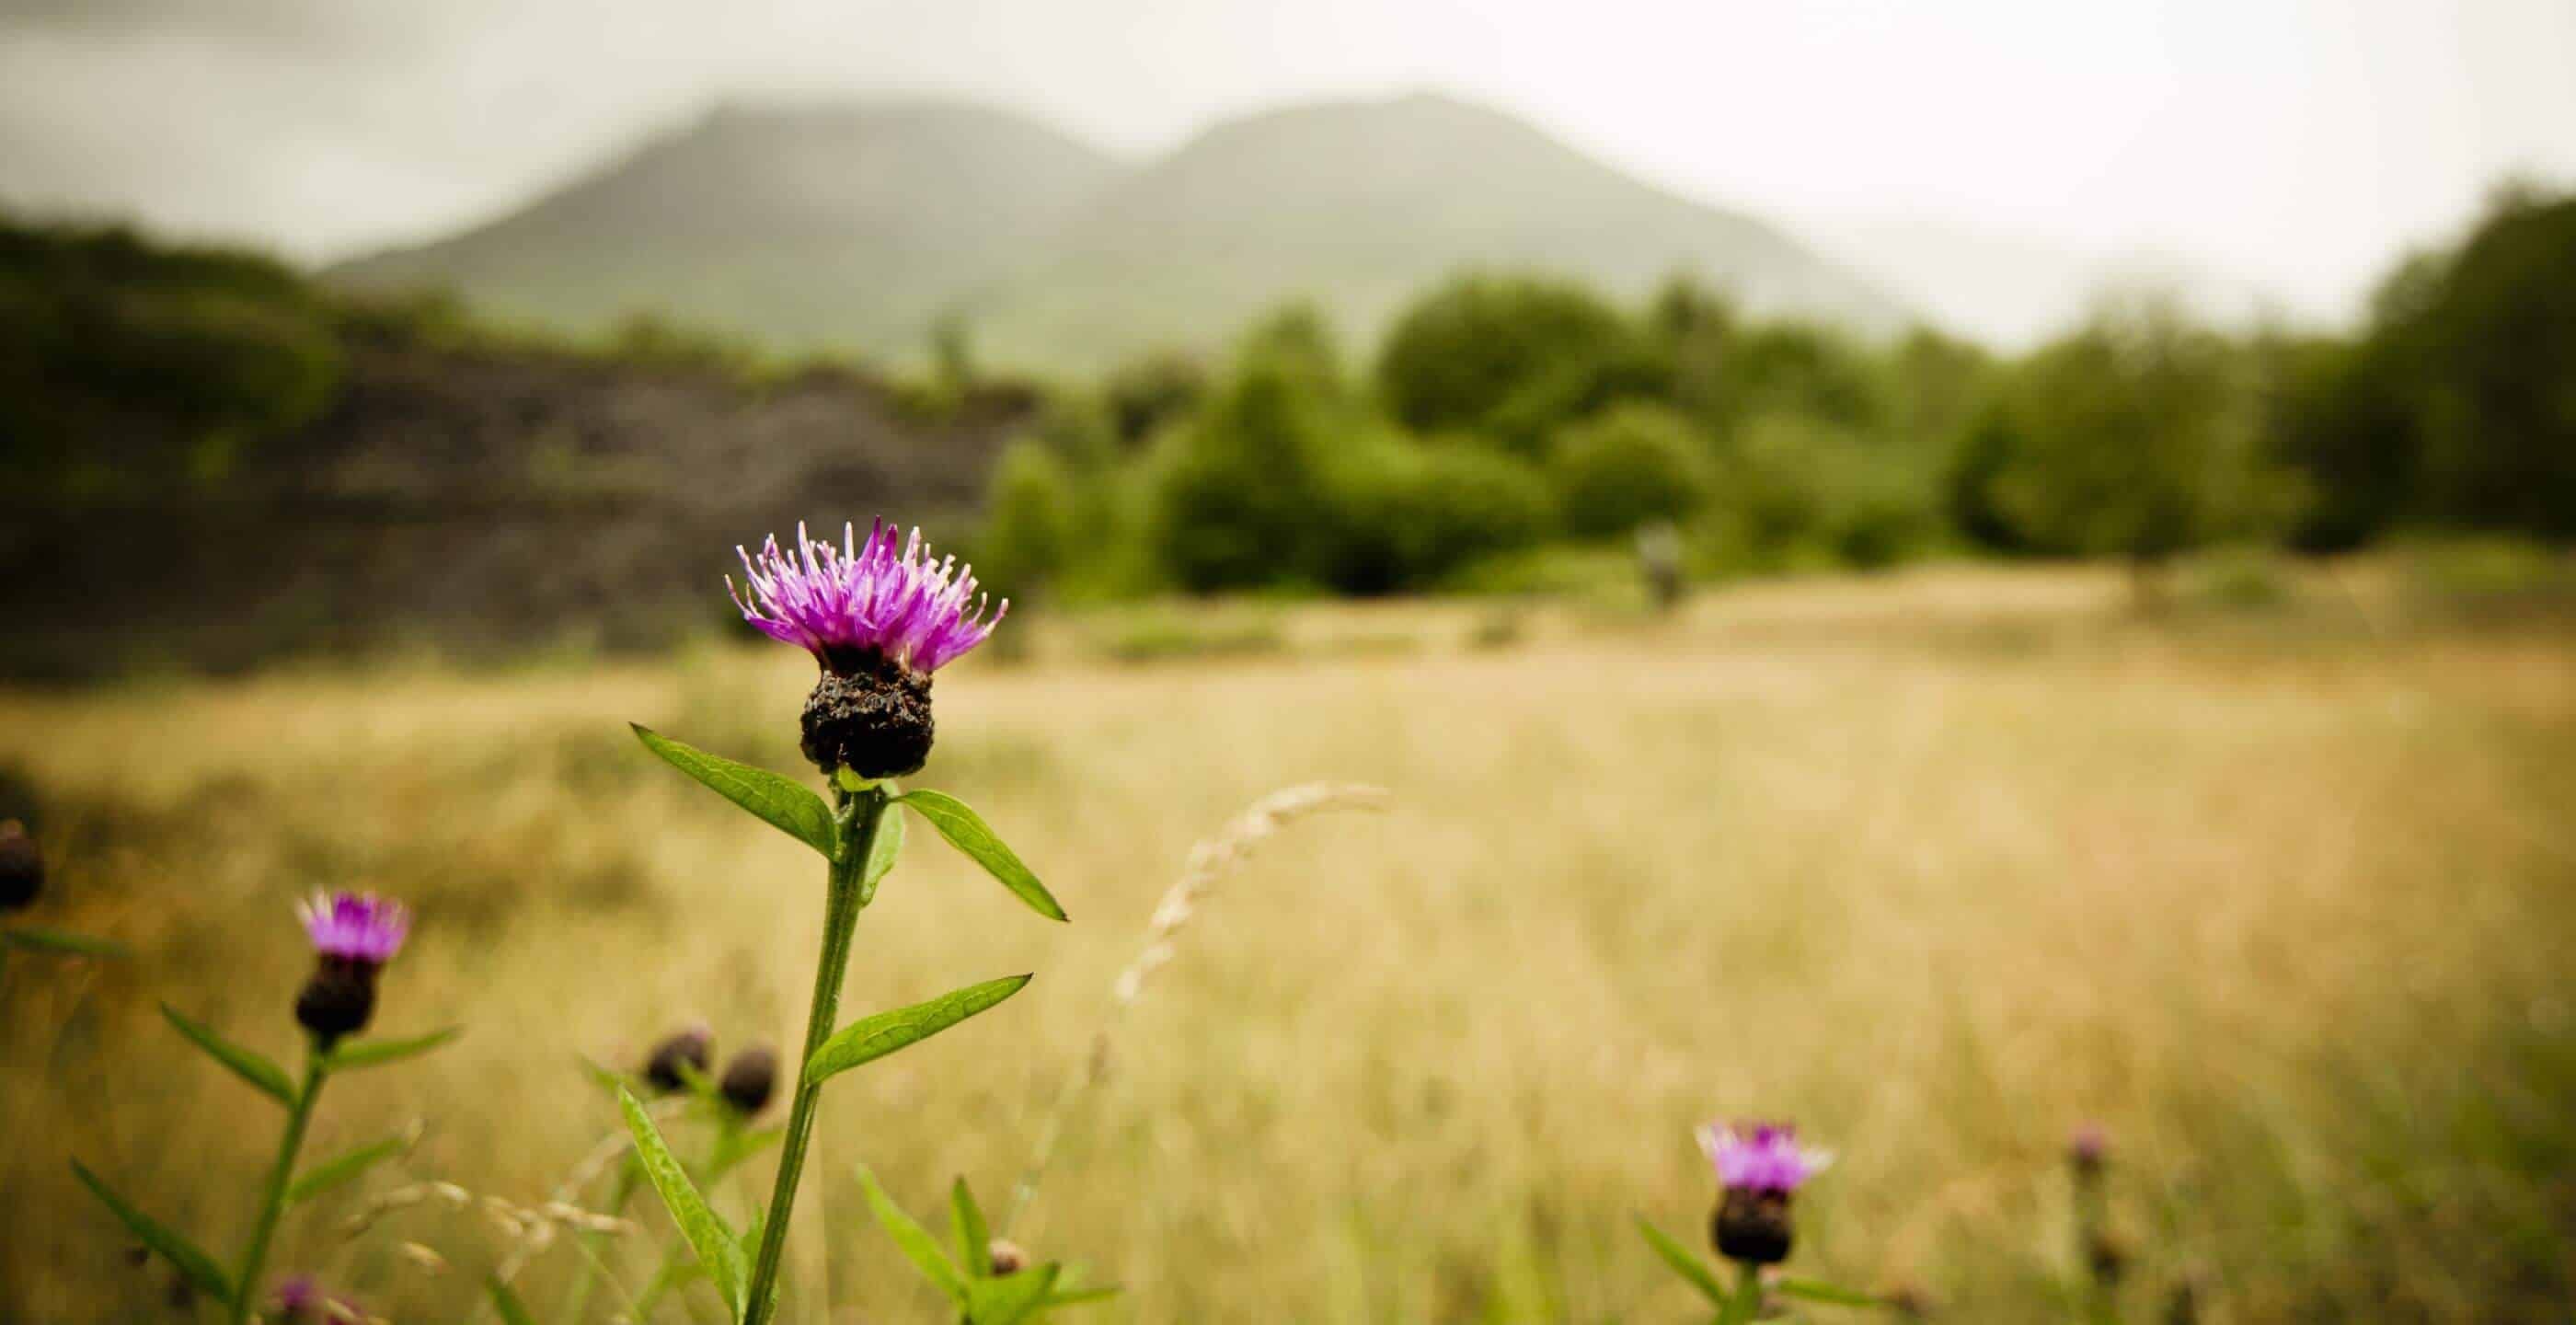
x=1408, y=515
x=1510, y=357
x=1635, y=463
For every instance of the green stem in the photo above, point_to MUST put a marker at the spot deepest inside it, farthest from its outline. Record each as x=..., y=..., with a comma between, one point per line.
x=272, y=1204
x=859, y=814
x=1747, y=1302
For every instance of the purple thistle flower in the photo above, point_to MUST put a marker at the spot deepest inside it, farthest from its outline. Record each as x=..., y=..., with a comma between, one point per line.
x=1761, y=1157
x=299, y=1299
x=885, y=597
x=359, y=928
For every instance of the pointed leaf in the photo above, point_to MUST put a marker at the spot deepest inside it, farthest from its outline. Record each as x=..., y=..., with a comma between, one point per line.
x=883, y=851
x=1010, y=1299
x=38, y=939
x=1834, y=1294
x=1074, y=1297
x=705, y=1231
x=967, y=831
x=377, y=1053
x=786, y=806
x=199, y=1267
x=504, y=1300
x=270, y=1079
x=974, y=1238
x=341, y=1168
x=871, y=1038
x=914, y=1240
x=1684, y=1264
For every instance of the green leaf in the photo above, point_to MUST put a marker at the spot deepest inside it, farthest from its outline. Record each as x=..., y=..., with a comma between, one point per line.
x=915, y=1241
x=967, y=831
x=871, y=1038
x=513, y=1311
x=974, y=1238
x=377, y=1053
x=1833, y=1294
x=1011, y=1298
x=704, y=1229
x=270, y=1079
x=197, y=1265
x=341, y=1168
x=882, y=851
x=1074, y=1297
x=786, y=806
x=1684, y=1264
x=37, y=939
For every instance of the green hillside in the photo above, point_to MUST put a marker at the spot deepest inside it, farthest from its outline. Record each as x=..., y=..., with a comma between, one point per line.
x=859, y=226
x=848, y=226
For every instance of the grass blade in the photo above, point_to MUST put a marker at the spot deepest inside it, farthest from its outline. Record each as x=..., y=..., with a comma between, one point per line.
x=872, y=1038
x=1684, y=1264
x=1832, y=1294
x=267, y=1077
x=974, y=1237
x=504, y=1300
x=917, y=1244
x=199, y=1267
x=967, y=831
x=341, y=1168
x=704, y=1229
x=38, y=939
x=377, y=1053
x=786, y=806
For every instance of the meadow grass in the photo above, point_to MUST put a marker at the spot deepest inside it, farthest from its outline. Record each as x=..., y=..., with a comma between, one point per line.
x=1939, y=865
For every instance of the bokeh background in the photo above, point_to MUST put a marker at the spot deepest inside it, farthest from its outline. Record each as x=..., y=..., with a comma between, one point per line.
x=1947, y=573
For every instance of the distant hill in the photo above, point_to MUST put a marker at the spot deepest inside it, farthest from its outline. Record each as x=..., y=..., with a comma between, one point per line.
x=1360, y=205
x=857, y=226
x=844, y=226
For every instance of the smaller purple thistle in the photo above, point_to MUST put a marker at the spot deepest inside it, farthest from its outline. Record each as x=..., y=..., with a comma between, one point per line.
x=299, y=1299
x=1760, y=1166
x=1761, y=1157
x=354, y=935
x=355, y=927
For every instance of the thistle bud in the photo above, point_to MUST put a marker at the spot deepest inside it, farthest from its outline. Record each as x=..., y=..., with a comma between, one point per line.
x=2088, y=1150
x=1006, y=1256
x=750, y=1078
x=338, y=1001
x=22, y=867
x=873, y=719
x=2105, y=1257
x=1753, y=1227
x=686, y=1054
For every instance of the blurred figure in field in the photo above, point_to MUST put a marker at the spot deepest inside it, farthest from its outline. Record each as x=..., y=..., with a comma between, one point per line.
x=1659, y=562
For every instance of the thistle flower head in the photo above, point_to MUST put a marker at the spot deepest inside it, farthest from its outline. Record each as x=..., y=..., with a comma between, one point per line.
x=2088, y=1148
x=359, y=928
x=885, y=597
x=1760, y=1157
x=299, y=1299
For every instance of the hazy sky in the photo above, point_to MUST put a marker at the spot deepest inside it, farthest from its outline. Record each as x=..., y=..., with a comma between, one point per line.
x=2300, y=143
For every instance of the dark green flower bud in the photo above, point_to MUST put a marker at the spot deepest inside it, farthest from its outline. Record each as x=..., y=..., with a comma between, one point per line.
x=338, y=1000
x=1752, y=1226
x=680, y=1057
x=22, y=867
x=871, y=715
x=750, y=1078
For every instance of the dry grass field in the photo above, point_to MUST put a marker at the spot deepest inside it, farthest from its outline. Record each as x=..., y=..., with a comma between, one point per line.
x=1938, y=865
